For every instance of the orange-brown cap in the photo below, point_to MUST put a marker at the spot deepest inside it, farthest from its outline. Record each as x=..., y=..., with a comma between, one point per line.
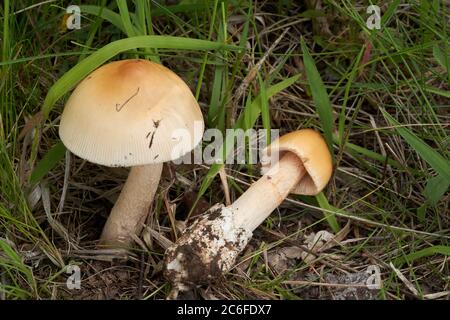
x=131, y=112
x=313, y=152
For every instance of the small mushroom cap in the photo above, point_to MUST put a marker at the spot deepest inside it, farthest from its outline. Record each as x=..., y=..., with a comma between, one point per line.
x=313, y=152
x=131, y=112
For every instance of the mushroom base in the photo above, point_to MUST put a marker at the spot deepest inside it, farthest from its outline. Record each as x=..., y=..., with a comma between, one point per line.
x=206, y=249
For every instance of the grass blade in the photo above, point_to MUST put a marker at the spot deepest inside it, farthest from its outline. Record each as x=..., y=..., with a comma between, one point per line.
x=254, y=110
x=441, y=57
x=48, y=162
x=390, y=11
x=444, y=250
x=320, y=96
x=181, y=8
x=215, y=102
x=265, y=112
x=12, y=263
x=106, y=14
x=436, y=188
x=81, y=70
x=434, y=159
x=93, y=31
x=331, y=218
x=125, y=17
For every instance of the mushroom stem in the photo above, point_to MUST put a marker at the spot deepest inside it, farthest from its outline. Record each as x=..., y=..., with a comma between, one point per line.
x=131, y=208
x=258, y=202
x=211, y=245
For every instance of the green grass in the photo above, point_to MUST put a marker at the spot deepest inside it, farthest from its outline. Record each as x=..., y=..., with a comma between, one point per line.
x=379, y=97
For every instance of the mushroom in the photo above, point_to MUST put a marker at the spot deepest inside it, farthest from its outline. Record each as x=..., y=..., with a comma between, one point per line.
x=210, y=246
x=126, y=114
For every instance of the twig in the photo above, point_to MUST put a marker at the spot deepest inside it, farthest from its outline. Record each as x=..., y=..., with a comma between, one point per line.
x=407, y=283
x=66, y=182
x=141, y=277
x=324, y=284
x=226, y=189
x=55, y=224
x=162, y=241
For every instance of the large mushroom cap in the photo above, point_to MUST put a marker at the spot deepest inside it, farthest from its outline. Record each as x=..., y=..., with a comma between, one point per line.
x=131, y=112
x=314, y=154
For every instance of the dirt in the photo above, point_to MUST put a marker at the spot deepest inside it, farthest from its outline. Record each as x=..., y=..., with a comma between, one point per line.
x=103, y=280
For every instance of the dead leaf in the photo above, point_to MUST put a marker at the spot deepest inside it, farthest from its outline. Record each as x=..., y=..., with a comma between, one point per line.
x=284, y=258
x=30, y=124
x=322, y=241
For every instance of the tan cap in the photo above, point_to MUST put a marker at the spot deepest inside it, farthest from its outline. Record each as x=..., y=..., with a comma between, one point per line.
x=131, y=112
x=312, y=150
